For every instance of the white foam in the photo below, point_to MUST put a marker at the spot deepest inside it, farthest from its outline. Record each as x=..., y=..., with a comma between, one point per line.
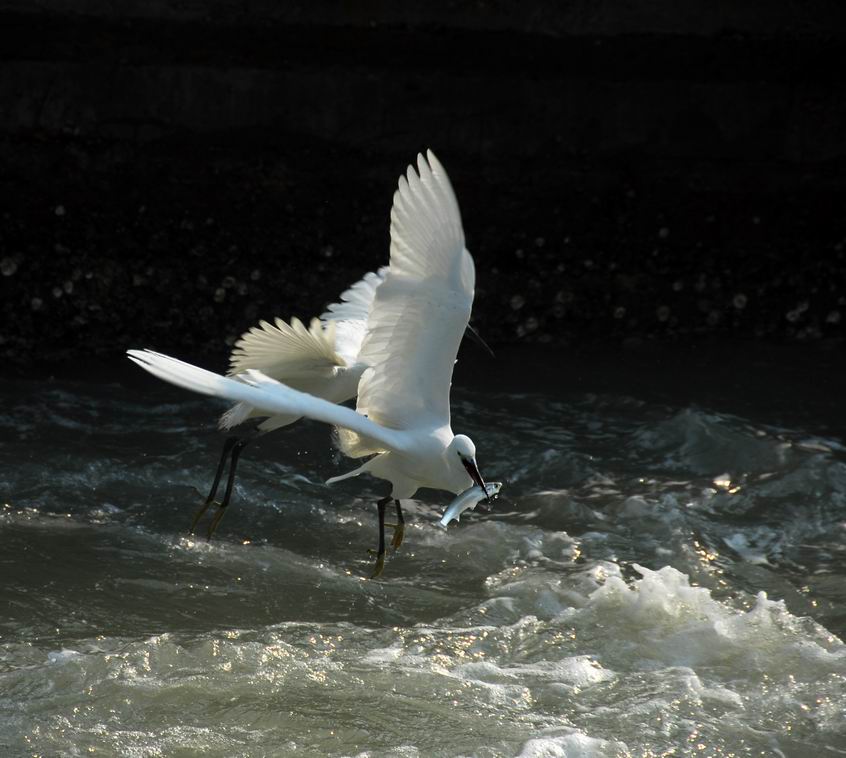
x=62, y=656
x=714, y=693
x=668, y=620
x=578, y=671
x=573, y=745
x=380, y=655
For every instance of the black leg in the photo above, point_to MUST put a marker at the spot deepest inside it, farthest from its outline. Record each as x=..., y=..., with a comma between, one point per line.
x=227, y=451
x=380, y=553
x=230, y=483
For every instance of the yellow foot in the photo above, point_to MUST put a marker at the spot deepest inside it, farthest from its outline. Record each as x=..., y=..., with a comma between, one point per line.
x=379, y=567
x=215, y=521
x=399, y=533
x=202, y=512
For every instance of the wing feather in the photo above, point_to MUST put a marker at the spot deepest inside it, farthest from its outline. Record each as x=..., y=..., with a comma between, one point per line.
x=305, y=358
x=265, y=394
x=351, y=313
x=422, y=308
x=287, y=351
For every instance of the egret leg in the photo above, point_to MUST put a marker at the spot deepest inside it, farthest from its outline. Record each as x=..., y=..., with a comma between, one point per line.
x=380, y=553
x=399, y=527
x=227, y=450
x=230, y=482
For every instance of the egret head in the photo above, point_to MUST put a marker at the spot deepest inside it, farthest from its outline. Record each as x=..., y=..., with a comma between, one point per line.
x=463, y=447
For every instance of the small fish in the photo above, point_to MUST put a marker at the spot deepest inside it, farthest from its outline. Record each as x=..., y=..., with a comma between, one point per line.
x=469, y=499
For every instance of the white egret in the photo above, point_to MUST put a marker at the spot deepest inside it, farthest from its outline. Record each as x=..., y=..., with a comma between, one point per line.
x=321, y=360
x=416, y=321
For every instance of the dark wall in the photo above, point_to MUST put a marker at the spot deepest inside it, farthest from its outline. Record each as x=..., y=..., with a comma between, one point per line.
x=171, y=171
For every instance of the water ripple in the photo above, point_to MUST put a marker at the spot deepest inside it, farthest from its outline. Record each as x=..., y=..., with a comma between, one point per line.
x=653, y=579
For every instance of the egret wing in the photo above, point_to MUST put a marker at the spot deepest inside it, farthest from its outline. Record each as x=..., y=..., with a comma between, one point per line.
x=422, y=308
x=287, y=351
x=349, y=316
x=266, y=395
x=307, y=358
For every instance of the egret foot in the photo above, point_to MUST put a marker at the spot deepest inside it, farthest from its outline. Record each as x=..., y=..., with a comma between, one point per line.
x=200, y=513
x=399, y=527
x=218, y=515
x=399, y=532
x=379, y=567
x=380, y=562
x=221, y=509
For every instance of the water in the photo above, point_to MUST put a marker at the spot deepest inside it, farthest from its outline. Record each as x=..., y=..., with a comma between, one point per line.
x=658, y=578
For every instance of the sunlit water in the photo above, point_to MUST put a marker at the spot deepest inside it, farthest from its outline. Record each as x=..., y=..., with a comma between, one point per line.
x=654, y=580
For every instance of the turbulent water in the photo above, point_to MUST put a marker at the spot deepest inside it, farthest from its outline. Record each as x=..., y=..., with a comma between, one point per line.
x=654, y=580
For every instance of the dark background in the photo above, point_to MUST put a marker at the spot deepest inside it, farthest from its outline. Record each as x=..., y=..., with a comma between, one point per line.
x=170, y=172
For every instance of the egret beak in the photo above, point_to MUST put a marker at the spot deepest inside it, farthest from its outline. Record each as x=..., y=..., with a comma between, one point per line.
x=473, y=470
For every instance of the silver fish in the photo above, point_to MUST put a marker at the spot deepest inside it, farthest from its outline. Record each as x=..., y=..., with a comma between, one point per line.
x=470, y=498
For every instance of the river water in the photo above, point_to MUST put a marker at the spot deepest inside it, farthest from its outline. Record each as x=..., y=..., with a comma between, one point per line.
x=664, y=573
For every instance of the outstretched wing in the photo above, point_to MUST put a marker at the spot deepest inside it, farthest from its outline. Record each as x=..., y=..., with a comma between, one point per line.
x=287, y=351
x=350, y=315
x=421, y=310
x=266, y=395
x=313, y=359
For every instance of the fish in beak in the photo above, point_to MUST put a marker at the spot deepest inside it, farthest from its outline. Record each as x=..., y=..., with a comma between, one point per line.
x=473, y=470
